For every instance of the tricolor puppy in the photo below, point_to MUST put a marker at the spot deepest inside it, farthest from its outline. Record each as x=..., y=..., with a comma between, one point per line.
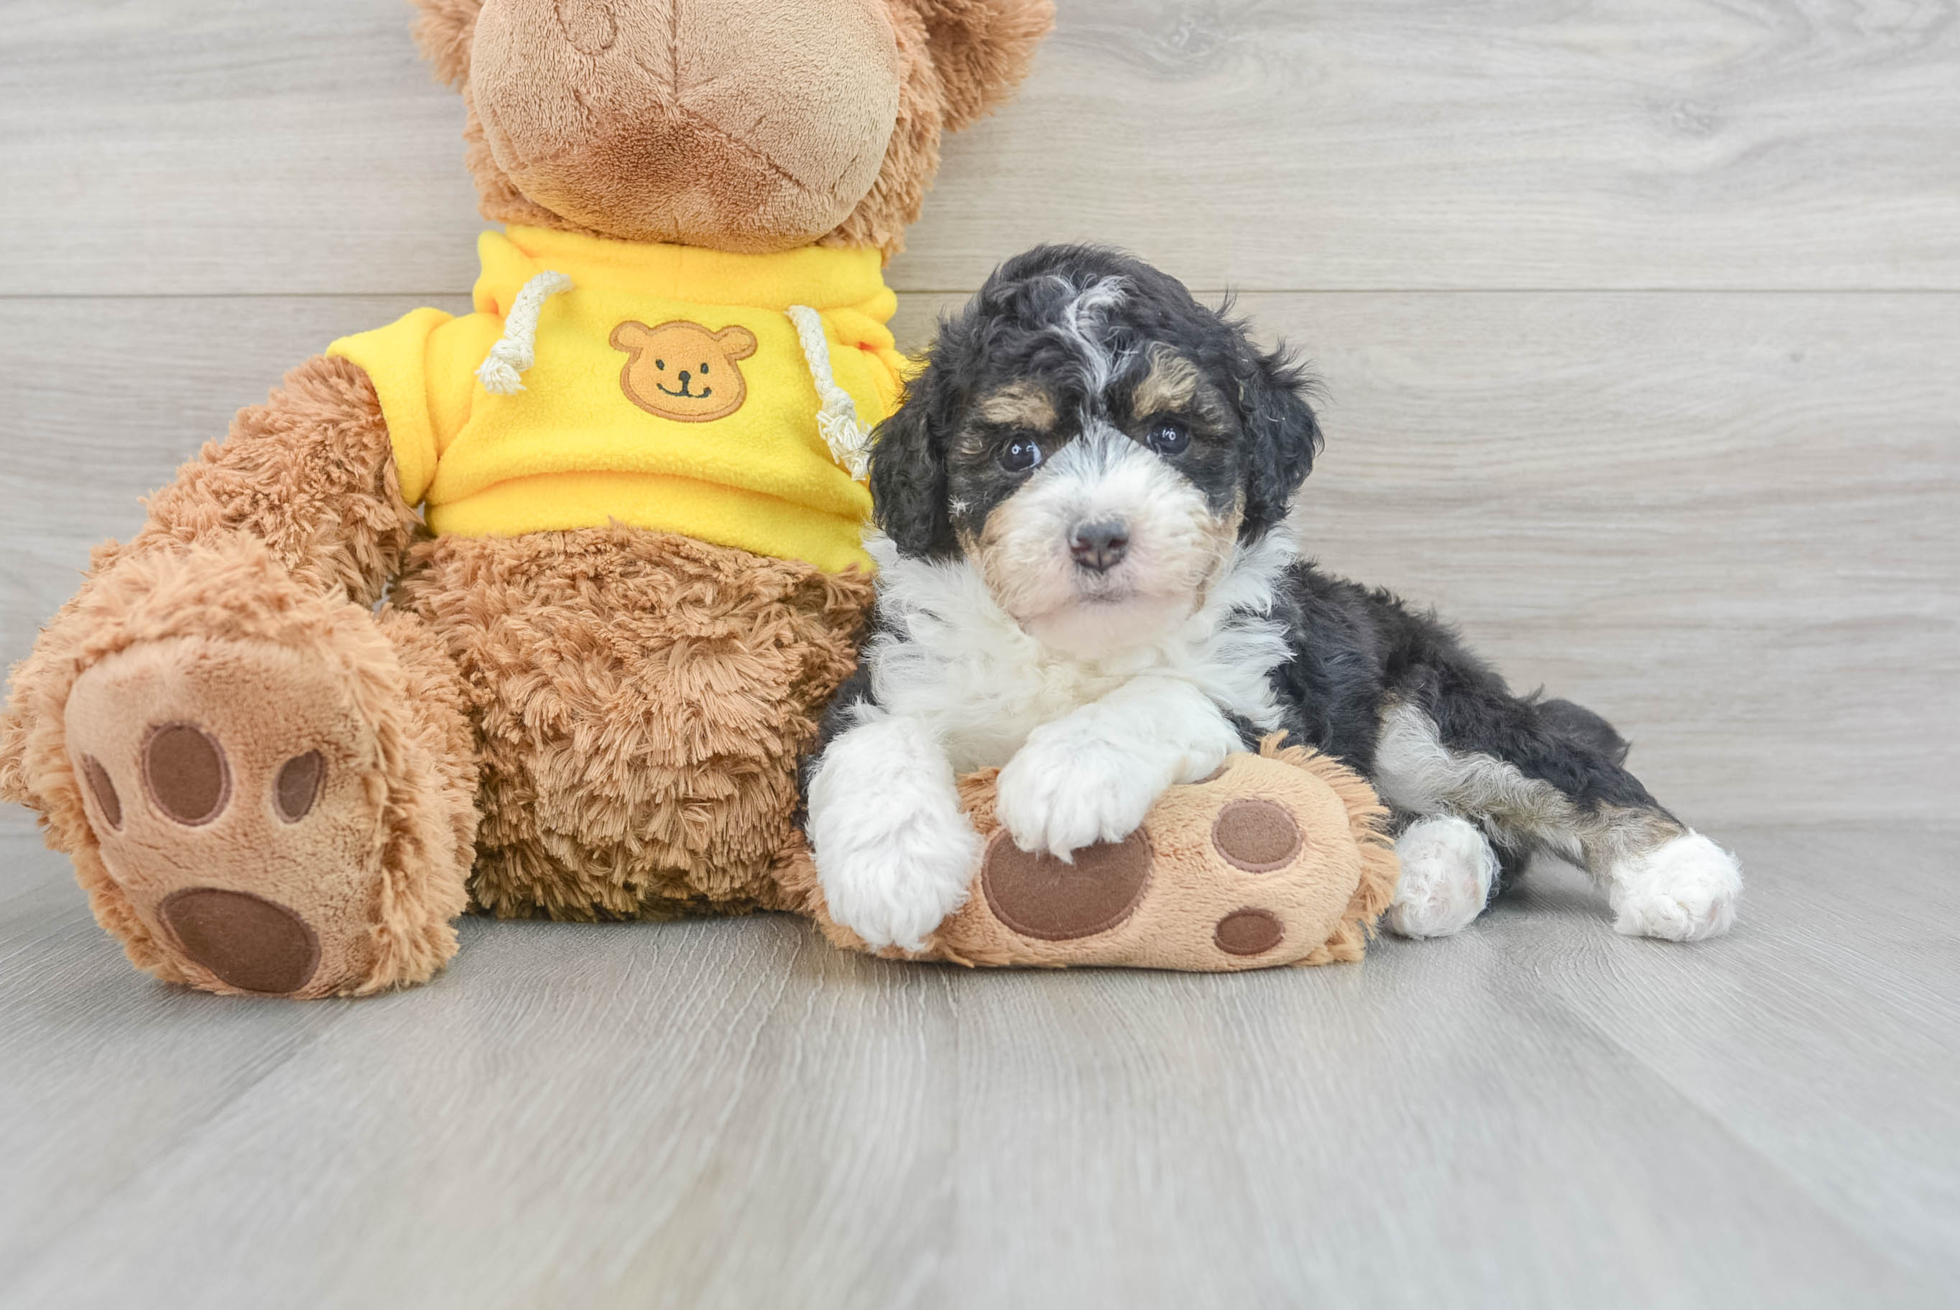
x=1089, y=577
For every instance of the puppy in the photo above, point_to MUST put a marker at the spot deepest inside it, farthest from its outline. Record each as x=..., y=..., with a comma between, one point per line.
x=1089, y=577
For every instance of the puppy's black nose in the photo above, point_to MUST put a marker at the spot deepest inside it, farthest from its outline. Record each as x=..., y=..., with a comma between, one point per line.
x=685, y=375
x=1100, y=546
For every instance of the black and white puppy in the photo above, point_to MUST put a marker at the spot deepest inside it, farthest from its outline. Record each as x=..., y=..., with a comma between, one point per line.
x=1088, y=577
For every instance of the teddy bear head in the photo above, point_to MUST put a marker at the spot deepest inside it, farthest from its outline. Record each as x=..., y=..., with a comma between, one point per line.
x=684, y=371
x=743, y=125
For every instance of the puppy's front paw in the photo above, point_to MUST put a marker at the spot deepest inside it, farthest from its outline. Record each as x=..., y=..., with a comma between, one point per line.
x=1683, y=891
x=890, y=873
x=894, y=854
x=1065, y=790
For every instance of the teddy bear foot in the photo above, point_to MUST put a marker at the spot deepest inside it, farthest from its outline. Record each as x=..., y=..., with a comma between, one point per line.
x=1275, y=859
x=1278, y=858
x=243, y=804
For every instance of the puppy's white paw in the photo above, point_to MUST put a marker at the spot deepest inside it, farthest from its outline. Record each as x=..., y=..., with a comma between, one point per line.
x=894, y=854
x=896, y=887
x=1066, y=789
x=1448, y=869
x=1683, y=891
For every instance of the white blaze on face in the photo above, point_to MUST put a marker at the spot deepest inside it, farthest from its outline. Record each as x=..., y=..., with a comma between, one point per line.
x=1176, y=545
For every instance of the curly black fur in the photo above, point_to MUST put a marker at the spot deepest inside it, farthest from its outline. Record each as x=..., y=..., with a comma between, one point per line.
x=1356, y=651
x=1259, y=452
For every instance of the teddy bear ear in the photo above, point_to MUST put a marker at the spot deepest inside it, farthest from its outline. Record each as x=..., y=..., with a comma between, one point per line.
x=444, y=31
x=630, y=335
x=981, y=49
x=736, y=342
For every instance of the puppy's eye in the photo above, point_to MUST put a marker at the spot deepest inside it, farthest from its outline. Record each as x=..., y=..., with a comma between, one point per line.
x=1020, y=455
x=1167, y=436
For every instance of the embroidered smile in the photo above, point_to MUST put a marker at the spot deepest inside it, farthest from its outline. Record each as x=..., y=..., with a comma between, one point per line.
x=687, y=377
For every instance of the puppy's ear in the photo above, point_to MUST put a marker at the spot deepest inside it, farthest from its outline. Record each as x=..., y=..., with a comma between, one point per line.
x=444, y=30
x=908, y=470
x=1282, y=436
x=981, y=49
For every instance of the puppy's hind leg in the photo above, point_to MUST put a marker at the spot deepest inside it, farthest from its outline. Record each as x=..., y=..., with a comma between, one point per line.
x=1682, y=887
x=1449, y=869
x=1550, y=775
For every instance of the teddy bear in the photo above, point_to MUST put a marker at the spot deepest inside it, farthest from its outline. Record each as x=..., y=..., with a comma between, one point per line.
x=532, y=609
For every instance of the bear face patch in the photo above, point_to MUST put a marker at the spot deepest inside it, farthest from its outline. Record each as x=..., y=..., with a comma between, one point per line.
x=683, y=371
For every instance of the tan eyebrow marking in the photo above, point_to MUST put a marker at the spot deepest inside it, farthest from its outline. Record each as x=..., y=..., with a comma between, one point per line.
x=1020, y=405
x=1171, y=384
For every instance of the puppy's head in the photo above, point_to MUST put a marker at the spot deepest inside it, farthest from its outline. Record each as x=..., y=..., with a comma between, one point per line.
x=1096, y=443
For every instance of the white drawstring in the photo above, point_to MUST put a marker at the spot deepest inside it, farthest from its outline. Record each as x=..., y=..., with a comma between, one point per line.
x=837, y=417
x=518, y=349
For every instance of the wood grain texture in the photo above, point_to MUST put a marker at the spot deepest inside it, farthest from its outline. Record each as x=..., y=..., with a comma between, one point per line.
x=1393, y=144
x=1536, y=1113
x=213, y=146
x=106, y=397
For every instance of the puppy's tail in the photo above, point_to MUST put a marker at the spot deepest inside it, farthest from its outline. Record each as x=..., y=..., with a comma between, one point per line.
x=1579, y=725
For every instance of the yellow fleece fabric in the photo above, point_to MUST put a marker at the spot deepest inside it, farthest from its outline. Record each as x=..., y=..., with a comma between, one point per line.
x=575, y=449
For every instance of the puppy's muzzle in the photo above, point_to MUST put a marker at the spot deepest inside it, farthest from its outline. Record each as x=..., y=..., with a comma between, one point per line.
x=1100, y=546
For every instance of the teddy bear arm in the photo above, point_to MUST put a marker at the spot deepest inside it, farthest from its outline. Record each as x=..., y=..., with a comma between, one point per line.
x=309, y=474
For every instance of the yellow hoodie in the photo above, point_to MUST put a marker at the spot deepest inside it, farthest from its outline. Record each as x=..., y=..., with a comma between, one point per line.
x=664, y=387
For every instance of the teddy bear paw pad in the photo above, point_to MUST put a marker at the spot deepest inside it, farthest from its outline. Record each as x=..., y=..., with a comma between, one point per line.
x=227, y=784
x=1042, y=897
x=1249, y=932
x=254, y=944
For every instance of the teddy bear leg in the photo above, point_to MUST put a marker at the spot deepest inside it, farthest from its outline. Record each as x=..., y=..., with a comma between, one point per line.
x=642, y=701
x=266, y=790
x=1278, y=858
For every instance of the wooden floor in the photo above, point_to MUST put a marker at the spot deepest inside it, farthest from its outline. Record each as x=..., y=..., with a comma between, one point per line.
x=1640, y=331
x=1535, y=1113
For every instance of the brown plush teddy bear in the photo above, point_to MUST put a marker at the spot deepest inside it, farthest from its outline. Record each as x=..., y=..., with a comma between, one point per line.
x=635, y=580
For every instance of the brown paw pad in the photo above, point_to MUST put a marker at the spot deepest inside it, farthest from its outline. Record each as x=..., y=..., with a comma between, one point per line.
x=186, y=773
x=1039, y=896
x=248, y=941
x=1248, y=932
x=107, y=799
x=230, y=789
x=1256, y=835
x=298, y=785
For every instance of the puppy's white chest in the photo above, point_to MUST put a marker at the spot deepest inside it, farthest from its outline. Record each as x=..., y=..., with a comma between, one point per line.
x=982, y=698
x=995, y=709
x=950, y=657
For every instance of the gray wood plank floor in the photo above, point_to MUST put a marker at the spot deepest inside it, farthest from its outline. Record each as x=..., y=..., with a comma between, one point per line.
x=1535, y=1113
x=1638, y=325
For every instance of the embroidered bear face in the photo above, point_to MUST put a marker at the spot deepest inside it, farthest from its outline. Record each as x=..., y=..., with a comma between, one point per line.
x=683, y=371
